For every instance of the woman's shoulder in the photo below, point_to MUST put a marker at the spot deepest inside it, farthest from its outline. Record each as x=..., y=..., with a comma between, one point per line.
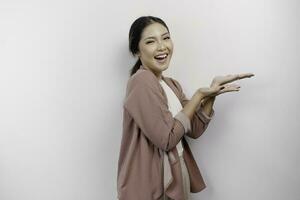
x=142, y=78
x=141, y=75
x=147, y=80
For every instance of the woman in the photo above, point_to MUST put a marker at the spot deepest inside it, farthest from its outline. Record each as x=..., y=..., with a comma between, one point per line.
x=155, y=161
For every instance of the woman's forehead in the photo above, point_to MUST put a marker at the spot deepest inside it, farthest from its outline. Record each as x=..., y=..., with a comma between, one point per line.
x=154, y=30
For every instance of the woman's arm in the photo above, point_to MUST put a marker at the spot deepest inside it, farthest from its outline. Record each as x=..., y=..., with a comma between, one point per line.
x=190, y=106
x=200, y=100
x=199, y=119
x=146, y=106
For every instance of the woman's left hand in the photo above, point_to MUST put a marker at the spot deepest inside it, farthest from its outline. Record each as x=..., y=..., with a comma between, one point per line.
x=226, y=88
x=229, y=88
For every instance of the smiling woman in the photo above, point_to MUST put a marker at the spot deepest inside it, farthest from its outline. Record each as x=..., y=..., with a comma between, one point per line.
x=150, y=40
x=156, y=48
x=155, y=161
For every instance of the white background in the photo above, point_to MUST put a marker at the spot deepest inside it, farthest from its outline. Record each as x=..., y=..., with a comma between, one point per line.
x=64, y=66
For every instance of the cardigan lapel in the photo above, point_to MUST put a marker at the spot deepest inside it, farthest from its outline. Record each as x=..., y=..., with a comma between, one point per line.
x=172, y=169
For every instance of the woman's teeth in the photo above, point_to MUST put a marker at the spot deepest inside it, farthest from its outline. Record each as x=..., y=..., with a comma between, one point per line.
x=161, y=57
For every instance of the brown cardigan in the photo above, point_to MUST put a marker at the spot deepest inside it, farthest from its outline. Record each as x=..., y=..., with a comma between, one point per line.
x=148, y=129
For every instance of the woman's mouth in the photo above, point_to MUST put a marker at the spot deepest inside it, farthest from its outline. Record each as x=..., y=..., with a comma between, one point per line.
x=161, y=58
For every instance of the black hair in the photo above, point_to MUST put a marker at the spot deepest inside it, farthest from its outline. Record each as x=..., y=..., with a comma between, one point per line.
x=135, y=33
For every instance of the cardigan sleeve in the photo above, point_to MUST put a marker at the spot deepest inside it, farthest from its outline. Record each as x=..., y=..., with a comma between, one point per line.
x=147, y=107
x=200, y=119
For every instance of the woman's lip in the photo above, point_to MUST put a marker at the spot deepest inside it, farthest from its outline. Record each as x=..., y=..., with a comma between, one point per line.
x=163, y=60
x=161, y=54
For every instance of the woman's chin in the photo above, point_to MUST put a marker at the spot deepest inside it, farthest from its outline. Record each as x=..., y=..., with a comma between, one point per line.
x=162, y=66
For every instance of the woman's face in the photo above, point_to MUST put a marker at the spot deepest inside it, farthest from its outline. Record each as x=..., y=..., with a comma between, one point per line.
x=155, y=48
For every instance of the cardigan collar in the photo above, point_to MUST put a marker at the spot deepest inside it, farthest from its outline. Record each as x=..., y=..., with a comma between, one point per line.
x=166, y=80
x=162, y=76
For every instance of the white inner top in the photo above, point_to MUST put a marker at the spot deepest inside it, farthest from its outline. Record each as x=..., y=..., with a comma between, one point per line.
x=174, y=107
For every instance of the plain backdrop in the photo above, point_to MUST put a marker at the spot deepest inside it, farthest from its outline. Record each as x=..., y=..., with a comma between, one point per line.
x=64, y=66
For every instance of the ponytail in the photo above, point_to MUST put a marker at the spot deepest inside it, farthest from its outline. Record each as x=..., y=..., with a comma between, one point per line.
x=135, y=67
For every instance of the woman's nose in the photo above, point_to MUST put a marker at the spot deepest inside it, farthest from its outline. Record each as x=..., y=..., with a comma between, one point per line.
x=161, y=46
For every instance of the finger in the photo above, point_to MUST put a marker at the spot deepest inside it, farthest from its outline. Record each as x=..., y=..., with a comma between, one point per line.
x=230, y=78
x=245, y=75
x=217, y=88
x=228, y=90
x=231, y=89
x=232, y=86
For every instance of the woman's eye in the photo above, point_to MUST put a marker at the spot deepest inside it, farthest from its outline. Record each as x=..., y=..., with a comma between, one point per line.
x=167, y=38
x=149, y=42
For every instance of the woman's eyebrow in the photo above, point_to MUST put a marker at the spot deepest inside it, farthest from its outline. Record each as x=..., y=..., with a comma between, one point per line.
x=154, y=37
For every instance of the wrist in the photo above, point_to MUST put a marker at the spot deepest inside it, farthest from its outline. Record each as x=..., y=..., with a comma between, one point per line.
x=199, y=95
x=208, y=100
